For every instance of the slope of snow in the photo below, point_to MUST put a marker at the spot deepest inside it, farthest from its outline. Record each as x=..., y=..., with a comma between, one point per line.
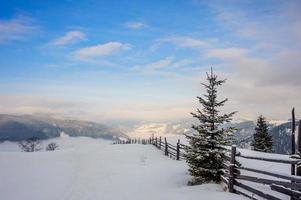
x=277, y=122
x=278, y=168
x=89, y=169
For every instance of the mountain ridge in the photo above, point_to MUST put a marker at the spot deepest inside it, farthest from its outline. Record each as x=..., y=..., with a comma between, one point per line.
x=21, y=127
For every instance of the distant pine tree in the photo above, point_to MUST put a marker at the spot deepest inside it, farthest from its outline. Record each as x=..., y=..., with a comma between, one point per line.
x=262, y=140
x=204, y=154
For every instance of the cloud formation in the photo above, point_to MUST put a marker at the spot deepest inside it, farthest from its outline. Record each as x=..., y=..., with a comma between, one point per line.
x=135, y=25
x=16, y=29
x=263, y=71
x=69, y=38
x=183, y=41
x=100, y=50
x=168, y=66
x=226, y=53
x=26, y=104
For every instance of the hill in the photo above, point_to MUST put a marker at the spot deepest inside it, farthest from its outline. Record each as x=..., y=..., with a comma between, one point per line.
x=85, y=168
x=20, y=127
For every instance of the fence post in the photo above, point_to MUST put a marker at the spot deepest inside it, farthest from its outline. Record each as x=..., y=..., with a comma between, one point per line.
x=178, y=150
x=160, y=142
x=293, y=142
x=156, y=139
x=299, y=147
x=231, y=169
x=166, y=147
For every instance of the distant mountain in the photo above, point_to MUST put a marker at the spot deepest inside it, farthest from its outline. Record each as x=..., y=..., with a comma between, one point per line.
x=159, y=129
x=243, y=136
x=282, y=138
x=20, y=127
x=281, y=134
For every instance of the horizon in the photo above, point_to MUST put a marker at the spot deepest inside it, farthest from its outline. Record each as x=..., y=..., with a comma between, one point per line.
x=144, y=61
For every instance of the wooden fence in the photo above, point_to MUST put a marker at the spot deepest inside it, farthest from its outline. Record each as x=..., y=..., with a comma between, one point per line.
x=235, y=176
x=173, y=151
x=238, y=183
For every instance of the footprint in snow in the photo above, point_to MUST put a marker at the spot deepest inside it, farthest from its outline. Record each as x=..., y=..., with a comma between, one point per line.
x=143, y=160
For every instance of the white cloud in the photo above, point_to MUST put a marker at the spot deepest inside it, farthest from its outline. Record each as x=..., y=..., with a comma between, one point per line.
x=227, y=53
x=26, y=104
x=169, y=67
x=260, y=85
x=69, y=37
x=135, y=25
x=16, y=29
x=100, y=50
x=183, y=41
x=165, y=62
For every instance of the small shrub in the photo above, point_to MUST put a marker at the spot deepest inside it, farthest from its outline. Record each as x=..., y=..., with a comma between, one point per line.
x=51, y=146
x=30, y=145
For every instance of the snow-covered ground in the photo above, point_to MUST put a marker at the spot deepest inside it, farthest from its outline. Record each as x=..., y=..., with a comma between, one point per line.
x=278, y=168
x=89, y=169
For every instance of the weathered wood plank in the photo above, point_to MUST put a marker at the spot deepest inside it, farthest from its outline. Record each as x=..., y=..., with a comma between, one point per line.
x=244, y=194
x=178, y=150
x=225, y=180
x=226, y=157
x=286, y=177
x=268, y=181
x=286, y=191
x=166, y=147
x=255, y=191
x=270, y=159
x=231, y=169
x=299, y=147
x=171, y=147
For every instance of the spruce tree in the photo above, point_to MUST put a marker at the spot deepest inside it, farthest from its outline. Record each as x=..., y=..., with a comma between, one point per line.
x=262, y=140
x=207, y=144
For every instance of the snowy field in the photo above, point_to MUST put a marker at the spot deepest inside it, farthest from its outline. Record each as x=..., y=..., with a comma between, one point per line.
x=278, y=168
x=90, y=169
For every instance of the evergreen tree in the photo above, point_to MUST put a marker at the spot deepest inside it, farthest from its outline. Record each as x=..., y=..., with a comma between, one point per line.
x=206, y=149
x=262, y=140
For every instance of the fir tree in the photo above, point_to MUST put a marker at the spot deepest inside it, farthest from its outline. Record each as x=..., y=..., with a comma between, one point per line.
x=206, y=149
x=262, y=140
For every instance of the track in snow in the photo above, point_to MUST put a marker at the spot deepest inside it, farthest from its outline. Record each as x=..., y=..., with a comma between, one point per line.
x=88, y=169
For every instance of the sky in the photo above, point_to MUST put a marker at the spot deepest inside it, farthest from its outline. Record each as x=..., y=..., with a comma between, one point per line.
x=145, y=60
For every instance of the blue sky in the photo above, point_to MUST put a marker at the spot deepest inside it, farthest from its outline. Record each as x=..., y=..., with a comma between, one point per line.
x=143, y=60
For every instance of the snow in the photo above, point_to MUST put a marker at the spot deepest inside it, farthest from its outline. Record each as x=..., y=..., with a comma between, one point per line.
x=63, y=134
x=89, y=169
x=146, y=130
x=278, y=168
x=277, y=122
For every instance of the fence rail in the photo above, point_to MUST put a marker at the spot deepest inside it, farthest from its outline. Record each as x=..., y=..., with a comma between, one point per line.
x=235, y=179
x=174, y=151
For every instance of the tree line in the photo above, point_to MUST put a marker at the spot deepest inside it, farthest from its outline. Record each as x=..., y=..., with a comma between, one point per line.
x=34, y=144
